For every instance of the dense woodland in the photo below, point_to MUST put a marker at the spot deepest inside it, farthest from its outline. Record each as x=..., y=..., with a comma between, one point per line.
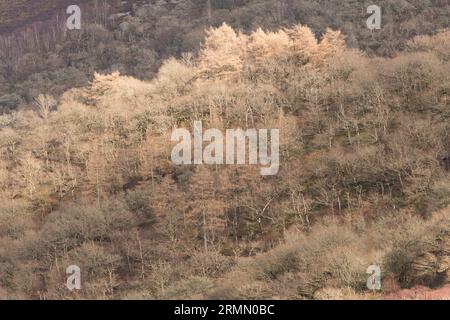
x=136, y=37
x=86, y=175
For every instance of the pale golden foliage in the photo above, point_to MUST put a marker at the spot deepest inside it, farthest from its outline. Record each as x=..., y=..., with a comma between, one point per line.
x=174, y=79
x=113, y=92
x=331, y=45
x=304, y=43
x=101, y=85
x=222, y=51
x=262, y=45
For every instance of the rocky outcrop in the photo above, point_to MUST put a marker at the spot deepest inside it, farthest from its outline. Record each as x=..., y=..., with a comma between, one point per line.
x=433, y=267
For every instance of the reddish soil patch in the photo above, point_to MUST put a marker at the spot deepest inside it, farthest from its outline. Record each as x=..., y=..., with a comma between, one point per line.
x=421, y=293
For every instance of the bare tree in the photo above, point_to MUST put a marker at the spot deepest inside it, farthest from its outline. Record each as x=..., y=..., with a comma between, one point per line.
x=45, y=104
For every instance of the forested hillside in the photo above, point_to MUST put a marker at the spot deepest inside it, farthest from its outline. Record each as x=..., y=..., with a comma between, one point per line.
x=86, y=178
x=18, y=12
x=135, y=37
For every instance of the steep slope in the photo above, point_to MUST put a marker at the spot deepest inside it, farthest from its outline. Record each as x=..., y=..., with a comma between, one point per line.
x=88, y=179
x=16, y=13
x=137, y=41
